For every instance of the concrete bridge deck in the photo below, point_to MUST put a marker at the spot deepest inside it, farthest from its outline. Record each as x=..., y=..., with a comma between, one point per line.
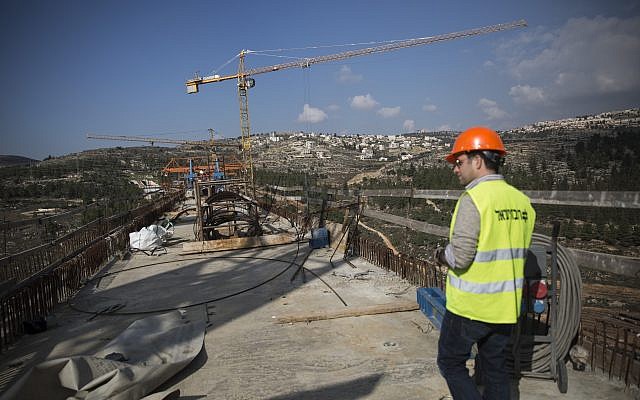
x=247, y=354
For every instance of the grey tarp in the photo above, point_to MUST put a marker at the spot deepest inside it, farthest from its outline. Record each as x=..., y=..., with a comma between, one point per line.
x=131, y=366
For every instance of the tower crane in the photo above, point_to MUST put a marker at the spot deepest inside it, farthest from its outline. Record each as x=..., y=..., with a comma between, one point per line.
x=245, y=82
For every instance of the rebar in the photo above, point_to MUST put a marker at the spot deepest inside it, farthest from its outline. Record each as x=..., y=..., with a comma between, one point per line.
x=52, y=273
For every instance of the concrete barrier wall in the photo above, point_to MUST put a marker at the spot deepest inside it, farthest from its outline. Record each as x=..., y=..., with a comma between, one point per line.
x=620, y=265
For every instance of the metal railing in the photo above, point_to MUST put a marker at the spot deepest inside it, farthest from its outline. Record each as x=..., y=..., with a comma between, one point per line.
x=613, y=342
x=413, y=270
x=41, y=278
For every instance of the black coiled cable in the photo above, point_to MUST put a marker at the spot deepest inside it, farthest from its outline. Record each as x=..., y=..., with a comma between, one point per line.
x=569, y=295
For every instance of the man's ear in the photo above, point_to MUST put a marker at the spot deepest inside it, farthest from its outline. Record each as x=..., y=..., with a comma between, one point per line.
x=477, y=161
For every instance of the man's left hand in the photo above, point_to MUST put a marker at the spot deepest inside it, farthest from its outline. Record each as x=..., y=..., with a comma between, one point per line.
x=438, y=256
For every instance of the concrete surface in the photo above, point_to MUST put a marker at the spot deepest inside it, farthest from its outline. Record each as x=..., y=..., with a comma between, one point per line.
x=247, y=355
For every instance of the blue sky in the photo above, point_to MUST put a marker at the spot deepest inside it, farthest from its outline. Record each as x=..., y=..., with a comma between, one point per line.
x=69, y=68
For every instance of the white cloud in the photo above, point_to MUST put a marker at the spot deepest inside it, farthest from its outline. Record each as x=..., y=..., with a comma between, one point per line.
x=587, y=57
x=489, y=64
x=429, y=107
x=312, y=115
x=345, y=75
x=491, y=109
x=409, y=125
x=525, y=94
x=333, y=107
x=363, y=102
x=389, y=112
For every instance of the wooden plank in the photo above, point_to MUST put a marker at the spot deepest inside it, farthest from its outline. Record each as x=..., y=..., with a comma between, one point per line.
x=351, y=312
x=236, y=243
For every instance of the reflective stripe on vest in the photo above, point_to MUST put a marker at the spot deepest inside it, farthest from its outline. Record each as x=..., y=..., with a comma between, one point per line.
x=485, y=288
x=500, y=254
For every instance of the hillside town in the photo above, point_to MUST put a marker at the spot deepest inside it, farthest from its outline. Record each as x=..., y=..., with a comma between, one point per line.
x=608, y=120
x=351, y=154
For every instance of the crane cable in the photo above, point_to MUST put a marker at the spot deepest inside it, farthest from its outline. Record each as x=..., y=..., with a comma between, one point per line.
x=569, y=295
x=266, y=52
x=373, y=43
x=226, y=63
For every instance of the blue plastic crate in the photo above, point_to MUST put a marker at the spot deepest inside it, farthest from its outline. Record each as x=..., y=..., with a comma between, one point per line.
x=432, y=304
x=319, y=238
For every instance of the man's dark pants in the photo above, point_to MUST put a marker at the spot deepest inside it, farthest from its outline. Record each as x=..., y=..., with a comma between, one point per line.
x=457, y=336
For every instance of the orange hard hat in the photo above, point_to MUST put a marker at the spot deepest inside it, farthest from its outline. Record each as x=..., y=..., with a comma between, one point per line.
x=476, y=138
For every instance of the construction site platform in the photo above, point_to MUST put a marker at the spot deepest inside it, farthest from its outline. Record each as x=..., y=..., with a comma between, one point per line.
x=245, y=298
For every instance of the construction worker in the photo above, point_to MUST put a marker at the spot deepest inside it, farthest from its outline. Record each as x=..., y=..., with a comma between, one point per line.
x=489, y=236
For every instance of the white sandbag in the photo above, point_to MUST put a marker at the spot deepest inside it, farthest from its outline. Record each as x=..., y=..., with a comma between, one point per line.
x=148, y=238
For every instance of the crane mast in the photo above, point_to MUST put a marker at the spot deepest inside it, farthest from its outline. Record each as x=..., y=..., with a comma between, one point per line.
x=245, y=82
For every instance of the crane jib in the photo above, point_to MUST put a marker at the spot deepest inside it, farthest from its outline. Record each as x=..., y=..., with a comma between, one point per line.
x=401, y=44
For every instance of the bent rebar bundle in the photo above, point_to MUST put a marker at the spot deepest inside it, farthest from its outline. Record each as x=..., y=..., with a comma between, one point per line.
x=226, y=214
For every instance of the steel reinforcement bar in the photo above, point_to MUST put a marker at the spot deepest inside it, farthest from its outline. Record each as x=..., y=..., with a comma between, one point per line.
x=415, y=271
x=21, y=266
x=56, y=275
x=614, y=346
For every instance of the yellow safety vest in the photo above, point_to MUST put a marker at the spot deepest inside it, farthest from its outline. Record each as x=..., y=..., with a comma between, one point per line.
x=490, y=290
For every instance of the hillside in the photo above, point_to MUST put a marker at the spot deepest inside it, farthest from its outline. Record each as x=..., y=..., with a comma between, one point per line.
x=10, y=161
x=604, y=154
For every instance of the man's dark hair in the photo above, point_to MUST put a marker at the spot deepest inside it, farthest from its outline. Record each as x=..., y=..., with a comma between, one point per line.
x=492, y=159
